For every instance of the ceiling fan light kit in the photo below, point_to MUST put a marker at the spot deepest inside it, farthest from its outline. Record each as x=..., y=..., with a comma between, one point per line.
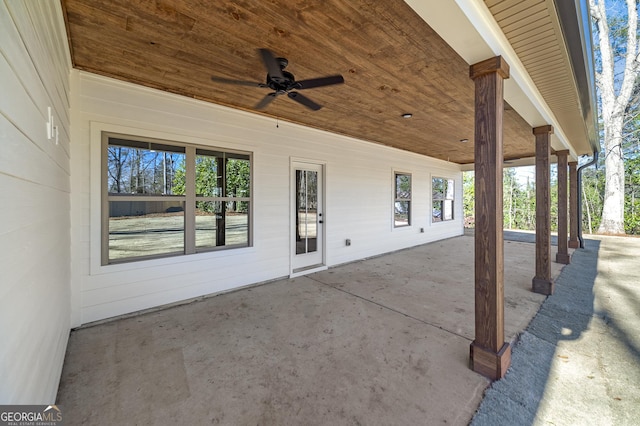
x=283, y=82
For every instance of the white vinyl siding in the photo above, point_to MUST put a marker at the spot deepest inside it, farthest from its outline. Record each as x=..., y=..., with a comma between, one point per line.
x=35, y=217
x=359, y=195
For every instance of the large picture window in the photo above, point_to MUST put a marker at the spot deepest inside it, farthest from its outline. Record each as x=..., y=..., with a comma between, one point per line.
x=165, y=199
x=402, y=202
x=443, y=196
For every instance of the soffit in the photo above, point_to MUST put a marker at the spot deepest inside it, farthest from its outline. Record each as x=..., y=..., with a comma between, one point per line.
x=533, y=30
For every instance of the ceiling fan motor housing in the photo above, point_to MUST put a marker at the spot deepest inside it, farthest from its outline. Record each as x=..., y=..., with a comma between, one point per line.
x=283, y=82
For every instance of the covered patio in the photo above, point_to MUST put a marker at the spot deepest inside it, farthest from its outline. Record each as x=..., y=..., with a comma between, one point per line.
x=378, y=341
x=428, y=89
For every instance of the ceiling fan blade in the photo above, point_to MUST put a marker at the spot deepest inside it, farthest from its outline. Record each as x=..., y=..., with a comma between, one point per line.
x=318, y=82
x=304, y=100
x=266, y=101
x=236, y=82
x=272, y=65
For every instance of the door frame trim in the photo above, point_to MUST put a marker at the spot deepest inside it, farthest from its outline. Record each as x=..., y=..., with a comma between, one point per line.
x=293, y=161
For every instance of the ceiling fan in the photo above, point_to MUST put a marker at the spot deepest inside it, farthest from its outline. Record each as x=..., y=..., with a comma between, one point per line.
x=283, y=82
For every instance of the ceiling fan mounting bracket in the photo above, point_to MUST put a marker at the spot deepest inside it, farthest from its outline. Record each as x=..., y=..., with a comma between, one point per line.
x=283, y=62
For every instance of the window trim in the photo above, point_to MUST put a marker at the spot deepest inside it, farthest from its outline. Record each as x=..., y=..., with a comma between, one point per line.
x=189, y=198
x=396, y=199
x=453, y=199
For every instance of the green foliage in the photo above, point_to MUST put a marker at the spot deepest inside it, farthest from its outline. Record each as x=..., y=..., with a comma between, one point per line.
x=180, y=179
x=519, y=210
x=518, y=202
x=238, y=178
x=592, y=198
x=468, y=197
x=207, y=177
x=403, y=186
x=519, y=207
x=632, y=195
x=209, y=182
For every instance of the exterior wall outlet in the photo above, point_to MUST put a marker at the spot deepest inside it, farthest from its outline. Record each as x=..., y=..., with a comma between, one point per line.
x=347, y=242
x=422, y=230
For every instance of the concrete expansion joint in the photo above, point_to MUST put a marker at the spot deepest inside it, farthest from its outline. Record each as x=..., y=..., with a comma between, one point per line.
x=390, y=308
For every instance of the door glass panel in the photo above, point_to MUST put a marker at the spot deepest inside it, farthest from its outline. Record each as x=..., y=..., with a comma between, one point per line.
x=306, y=211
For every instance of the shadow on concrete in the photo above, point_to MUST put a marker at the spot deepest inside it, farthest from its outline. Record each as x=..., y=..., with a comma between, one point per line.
x=619, y=326
x=526, y=237
x=621, y=303
x=519, y=236
x=621, y=333
x=563, y=316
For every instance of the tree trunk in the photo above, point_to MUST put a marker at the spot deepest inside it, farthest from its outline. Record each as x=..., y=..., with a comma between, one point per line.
x=586, y=204
x=613, y=205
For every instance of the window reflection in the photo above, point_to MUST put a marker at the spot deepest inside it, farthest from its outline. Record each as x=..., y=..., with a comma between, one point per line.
x=306, y=211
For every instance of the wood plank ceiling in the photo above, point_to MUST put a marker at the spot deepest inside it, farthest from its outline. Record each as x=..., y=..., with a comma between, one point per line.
x=392, y=62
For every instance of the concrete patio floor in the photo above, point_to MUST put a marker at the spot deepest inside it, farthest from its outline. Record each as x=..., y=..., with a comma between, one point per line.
x=379, y=341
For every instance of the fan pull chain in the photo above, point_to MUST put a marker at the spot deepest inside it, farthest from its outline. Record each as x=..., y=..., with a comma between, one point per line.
x=277, y=126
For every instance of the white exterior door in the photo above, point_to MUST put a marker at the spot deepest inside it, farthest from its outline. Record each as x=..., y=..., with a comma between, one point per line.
x=307, y=244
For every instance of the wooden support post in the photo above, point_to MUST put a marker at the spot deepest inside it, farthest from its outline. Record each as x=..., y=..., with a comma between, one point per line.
x=490, y=355
x=573, y=205
x=542, y=282
x=562, y=256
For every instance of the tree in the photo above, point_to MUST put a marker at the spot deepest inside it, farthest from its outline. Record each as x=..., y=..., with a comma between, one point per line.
x=530, y=204
x=238, y=182
x=468, y=200
x=518, y=201
x=616, y=79
x=632, y=195
x=209, y=181
x=140, y=171
x=116, y=165
x=593, y=182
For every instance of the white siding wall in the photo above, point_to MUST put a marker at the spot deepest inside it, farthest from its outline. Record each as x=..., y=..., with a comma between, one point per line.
x=34, y=201
x=359, y=196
